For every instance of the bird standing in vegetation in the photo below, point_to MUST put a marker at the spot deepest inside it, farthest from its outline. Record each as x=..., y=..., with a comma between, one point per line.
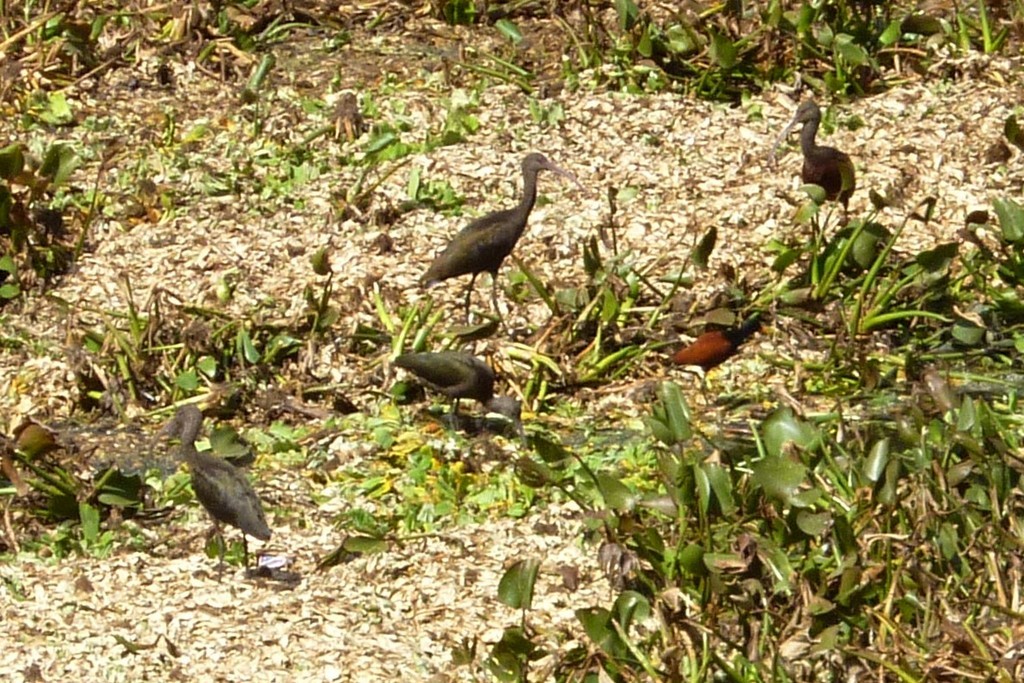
x=459, y=375
x=485, y=243
x=221, y=488
x=824, y=166
x=717, y=346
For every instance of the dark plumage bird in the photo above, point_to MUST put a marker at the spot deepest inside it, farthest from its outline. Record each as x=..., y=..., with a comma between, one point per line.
x=460, y=375
x=717, y=346
x=222, y=489
x=824, y=166
x=485, y=243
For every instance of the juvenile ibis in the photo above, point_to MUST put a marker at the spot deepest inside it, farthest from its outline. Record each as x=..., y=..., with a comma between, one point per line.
x=825, y=166
x=221, y=488
x=485, y=243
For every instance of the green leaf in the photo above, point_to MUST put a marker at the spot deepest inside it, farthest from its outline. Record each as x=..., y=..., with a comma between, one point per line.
x=12, y=161
x=677, y=411
x=783, y=427
x=1011, y=219
x=682, y=40
x=645, y=48
x=90, y=518
x=628, y=14
x=597, y=623
x=365, y=545
x=226, y=442
x=813, y=524
x=850, y=51
x=968, y=333
x=780, y=477
x=187, y=380
x=691, y=559
x=247, y=348
x=702, y=253
x=57, y=112
x=460, y=12
x=921, y=24
x=631, y=606
x=723, y=50
x=616, y=495
x=892, y=33
x=207, y=365
x=59, y=162
x=721, y=486
x=877, y=460
x=516, y=586
x=509, y=30
x=381, y=141
x=1013, y=132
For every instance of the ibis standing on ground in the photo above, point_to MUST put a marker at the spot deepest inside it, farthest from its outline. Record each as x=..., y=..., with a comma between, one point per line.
x=824, y=166
x=220, y=487
x=485, y=243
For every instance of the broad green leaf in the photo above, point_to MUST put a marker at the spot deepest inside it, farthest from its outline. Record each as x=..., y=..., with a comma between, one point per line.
x=1011, y=219
x=721, y=485
x=702, y=253
x=851, y=51
x=90, y=518
x=813, y=524
x=207, y=365
x=516, y=586
x=616, y=495
x=597, y=623
x=1013, y=132
x=631, y=606
x=723, y=51
x=365, y=545
x=628, y=13
x=783, y=427
x=187, y=380
x=59, y=162
x=509, y=30
x=247, y=348
x=12, y=161
x=780, y=477
x=877, y=460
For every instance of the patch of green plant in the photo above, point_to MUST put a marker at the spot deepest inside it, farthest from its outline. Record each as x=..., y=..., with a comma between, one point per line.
x=35, y=243
x=790, y=520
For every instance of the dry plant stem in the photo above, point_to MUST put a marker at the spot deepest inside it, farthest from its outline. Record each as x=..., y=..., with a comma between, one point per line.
x=12, y=538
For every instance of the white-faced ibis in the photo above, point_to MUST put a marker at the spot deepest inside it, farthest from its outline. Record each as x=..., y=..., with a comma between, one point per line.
x=221, y=488
x=485, y=243
x=460, y=375
x=824, y=166
x=717, y=346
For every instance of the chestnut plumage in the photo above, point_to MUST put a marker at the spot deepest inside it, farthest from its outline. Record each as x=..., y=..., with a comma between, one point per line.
x=717, y=346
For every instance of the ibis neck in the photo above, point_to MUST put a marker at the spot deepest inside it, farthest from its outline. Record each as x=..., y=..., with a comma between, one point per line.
x=189, y=432
x=807, y=135
x=529, y=198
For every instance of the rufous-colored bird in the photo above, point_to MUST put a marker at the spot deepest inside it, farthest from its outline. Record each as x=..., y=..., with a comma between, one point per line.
x=717, y=346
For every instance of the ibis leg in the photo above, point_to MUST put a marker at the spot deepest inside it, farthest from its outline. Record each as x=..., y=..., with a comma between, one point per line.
x=469, y=293
x=494, y=294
